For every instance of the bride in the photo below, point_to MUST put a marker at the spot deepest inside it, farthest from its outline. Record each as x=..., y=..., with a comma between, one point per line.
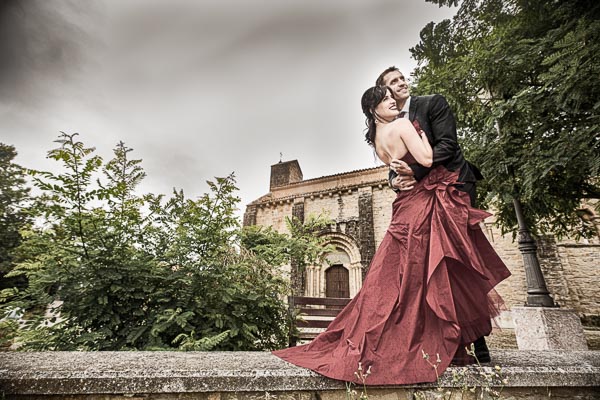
x=393, y=138
x=429, y=288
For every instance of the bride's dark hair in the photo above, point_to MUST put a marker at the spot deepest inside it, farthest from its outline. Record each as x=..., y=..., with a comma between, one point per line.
x=370, y=99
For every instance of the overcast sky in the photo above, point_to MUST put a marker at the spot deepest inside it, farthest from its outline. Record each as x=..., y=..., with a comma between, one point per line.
x=202, y=88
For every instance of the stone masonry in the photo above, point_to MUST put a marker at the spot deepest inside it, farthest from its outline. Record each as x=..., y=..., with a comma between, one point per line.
x=238, y=375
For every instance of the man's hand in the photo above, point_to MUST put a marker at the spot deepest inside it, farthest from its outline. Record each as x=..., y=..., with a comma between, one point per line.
x=400, y=167
x=405, y=179
x=403, y=182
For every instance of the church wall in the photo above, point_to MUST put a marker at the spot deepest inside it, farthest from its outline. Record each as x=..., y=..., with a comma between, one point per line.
x=340, y=207
x=582, y=265
x=274, y=215
x=571, y=271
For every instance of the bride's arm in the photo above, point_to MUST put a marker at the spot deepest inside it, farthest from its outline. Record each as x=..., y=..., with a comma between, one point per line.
x=416, y=143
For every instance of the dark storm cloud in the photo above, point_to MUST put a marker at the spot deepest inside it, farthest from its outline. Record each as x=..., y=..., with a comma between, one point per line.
x=41, y=46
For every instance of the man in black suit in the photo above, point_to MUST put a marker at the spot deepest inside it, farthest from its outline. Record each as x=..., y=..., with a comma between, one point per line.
x=436, y=119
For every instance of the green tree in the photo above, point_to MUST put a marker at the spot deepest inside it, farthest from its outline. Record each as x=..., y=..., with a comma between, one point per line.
x=82, y=261
x=517, y=74
x=212, y=287
x=124, y=271
x=303, y=246
x=13, y=195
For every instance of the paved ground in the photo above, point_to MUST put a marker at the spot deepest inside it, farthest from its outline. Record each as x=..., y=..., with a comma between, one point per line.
x=505, y=339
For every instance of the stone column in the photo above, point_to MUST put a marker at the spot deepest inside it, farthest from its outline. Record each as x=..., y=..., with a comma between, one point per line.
x=298, y=208
x=298, y=277
x=250, y=215
x=366, y=229
x=309, y=280
x=317, y=280
x=355, y=278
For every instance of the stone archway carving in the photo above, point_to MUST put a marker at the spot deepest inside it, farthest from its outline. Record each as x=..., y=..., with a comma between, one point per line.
x=347, y=254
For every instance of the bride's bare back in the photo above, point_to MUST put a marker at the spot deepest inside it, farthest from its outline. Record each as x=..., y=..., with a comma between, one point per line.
x=398, y=138
x=389, y=144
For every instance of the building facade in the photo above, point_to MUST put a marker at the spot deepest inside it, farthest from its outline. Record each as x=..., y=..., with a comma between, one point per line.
x=360, y=203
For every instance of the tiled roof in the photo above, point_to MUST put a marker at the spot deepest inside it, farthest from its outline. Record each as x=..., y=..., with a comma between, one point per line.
x=269, y=196
x=340, y=174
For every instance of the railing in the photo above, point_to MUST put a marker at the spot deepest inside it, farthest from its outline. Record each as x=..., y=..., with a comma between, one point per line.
x=315, y=312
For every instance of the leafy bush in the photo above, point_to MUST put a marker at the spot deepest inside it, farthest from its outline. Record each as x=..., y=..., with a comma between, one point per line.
x=112, y=270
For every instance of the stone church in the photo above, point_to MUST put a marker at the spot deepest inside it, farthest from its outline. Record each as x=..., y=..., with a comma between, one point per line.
x=360, y=203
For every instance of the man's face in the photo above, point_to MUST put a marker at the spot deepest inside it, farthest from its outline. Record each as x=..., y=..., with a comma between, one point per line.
x=396, y=81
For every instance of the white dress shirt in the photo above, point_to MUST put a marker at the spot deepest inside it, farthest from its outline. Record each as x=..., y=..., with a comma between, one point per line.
x=406, y=108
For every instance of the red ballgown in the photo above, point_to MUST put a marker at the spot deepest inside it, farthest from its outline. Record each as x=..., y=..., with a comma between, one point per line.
x=429, y=289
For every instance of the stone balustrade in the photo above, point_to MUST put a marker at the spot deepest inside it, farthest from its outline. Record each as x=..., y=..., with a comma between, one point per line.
x=253, y=375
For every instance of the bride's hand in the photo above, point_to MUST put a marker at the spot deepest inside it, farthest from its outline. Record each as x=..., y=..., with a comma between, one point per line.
x=400, y=167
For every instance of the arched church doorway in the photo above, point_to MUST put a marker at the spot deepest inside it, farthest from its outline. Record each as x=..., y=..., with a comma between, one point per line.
x=340, y=273
x=337, y=281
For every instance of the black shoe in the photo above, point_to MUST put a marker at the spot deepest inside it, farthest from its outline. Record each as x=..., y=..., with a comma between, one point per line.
x=481, y=350
x=459, y=361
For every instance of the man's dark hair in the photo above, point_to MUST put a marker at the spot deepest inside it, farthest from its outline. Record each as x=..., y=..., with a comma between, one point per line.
x=379, y=81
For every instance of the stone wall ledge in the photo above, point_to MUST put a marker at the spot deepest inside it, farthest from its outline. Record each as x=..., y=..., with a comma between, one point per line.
x=578, y=244
x=130, y=373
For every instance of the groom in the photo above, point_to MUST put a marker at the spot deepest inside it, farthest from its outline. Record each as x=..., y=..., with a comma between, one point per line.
x=436, y=119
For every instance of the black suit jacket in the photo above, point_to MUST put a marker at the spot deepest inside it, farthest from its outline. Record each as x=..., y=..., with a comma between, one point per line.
x=436, y=119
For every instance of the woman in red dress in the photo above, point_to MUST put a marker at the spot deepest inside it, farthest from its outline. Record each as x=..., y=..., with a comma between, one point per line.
x=429, y=288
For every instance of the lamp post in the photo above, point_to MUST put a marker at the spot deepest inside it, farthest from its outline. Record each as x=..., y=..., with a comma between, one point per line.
x=537, y=292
